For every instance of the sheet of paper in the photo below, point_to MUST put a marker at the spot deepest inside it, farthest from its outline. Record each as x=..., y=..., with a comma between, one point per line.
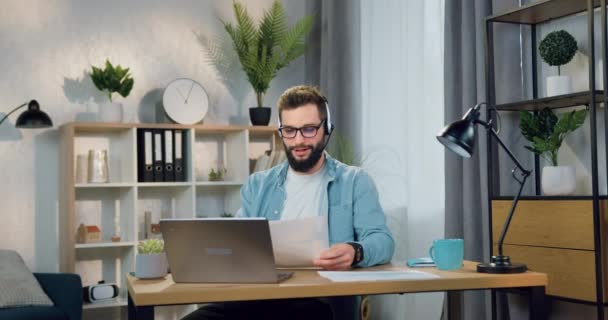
x=346, y=276
x=297, y=242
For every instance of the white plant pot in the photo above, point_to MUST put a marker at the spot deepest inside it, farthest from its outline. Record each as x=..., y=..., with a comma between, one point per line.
x=558, y=85
x=559, y=180
x=151, y=266
x=111, y=112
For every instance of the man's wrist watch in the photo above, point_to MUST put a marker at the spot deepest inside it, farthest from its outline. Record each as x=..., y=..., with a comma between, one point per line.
x=358, y=252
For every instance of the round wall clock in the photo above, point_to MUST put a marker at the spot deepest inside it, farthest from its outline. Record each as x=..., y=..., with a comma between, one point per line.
x=185, y=101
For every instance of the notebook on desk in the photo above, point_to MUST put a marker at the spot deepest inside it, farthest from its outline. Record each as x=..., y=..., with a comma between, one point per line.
x=220, y=250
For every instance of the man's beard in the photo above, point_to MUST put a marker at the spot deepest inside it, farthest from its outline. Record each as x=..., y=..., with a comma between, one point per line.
x=308, y=163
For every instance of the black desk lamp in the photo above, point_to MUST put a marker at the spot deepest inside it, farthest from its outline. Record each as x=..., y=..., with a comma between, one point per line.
x=459, y=136
x=31, y=118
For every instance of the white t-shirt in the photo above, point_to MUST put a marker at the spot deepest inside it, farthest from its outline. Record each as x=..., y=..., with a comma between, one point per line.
x=306, y=194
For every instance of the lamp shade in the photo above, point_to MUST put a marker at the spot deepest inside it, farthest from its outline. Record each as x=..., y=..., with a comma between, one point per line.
x=33, y=117
x=459, y=136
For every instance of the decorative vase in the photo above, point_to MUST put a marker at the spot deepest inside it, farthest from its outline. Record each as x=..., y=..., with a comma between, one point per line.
x=151, y=266
x=558, y=85
x=259, y=116
x=98, y=166
x=111, y=112
x=558, y=180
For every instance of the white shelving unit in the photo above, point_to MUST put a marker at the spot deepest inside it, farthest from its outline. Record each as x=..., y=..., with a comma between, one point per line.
x=124, y=200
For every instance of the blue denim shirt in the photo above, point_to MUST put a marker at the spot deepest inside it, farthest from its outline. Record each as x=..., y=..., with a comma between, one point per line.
x=355, y=214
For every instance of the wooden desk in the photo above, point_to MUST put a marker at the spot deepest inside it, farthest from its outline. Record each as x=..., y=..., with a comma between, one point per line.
x=145, y=294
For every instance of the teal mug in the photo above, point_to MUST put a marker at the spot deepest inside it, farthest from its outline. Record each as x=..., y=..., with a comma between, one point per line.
x=447, y=253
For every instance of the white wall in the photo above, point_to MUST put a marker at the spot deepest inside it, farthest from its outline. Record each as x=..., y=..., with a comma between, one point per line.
x=46, y=49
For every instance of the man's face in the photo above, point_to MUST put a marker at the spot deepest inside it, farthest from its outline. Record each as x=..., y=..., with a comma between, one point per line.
x=303, y=151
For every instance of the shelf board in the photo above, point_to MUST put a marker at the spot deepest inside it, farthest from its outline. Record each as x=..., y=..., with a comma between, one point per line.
x=556, y=102
x=585, y=197
x=105, y=245
x=117, y=302
x=164, y=184
x=104, y=185
x=542, y=11
x=219, y=184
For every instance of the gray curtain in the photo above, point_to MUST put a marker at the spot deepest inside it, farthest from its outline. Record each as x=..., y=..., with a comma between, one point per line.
x=465, y=84
x=466, y=184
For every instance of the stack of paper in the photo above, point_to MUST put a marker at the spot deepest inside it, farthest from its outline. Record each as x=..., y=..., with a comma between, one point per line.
x=296, y=243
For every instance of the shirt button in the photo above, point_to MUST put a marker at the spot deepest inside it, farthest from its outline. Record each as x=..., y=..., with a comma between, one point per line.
x=276, y=211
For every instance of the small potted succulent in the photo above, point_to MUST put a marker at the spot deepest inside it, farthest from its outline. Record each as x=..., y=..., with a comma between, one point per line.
x=151, y=261
x=110, y=80
x=547, y=132
x=265, y=49
x=557, y=49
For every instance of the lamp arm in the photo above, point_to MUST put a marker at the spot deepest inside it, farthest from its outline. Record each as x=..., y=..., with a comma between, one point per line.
x=8, y=114
x=503, y=233
x=524, y=173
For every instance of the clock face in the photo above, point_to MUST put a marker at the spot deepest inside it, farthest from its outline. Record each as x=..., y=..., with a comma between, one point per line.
x=185, y=101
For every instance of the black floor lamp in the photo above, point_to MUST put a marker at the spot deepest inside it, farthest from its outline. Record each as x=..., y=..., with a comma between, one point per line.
x=32, y=118
x=459, y=137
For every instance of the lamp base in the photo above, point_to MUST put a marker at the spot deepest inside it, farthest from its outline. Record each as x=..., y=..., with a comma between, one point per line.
x=501, y=264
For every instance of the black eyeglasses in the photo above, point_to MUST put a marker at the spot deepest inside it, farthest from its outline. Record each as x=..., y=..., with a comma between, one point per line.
x=306, y=131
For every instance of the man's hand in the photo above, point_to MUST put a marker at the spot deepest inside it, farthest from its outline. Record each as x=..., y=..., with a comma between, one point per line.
x=339, y=257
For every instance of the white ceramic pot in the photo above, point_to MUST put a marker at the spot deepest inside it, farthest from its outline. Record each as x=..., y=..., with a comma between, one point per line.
x=111, y=112
x=558, y=85
x=559, y=180
x=151, y=266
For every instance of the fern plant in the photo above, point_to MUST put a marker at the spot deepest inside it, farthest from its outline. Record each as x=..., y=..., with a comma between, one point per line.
x=265, y=49
x=112, y=79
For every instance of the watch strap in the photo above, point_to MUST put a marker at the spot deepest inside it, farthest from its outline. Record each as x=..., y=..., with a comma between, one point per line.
x=358, y=253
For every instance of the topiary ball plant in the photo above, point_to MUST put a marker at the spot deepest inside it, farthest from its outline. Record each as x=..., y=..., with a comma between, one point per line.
x=558, y=48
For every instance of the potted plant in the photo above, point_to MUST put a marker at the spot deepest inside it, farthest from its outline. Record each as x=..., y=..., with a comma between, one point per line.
x=557, y=49
x=110, y=80
x=265, y=49
x=547, y=132
x=151, y=261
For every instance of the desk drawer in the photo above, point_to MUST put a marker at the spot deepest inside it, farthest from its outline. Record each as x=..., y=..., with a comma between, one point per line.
x=571, y=273
x=546, y=223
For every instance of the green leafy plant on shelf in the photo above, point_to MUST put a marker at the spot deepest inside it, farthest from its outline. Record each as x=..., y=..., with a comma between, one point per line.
x=217, y=175
x=558, y=48
x=547, y=132
x=112, y=79
x=151, y=246
x=227, y=215
x=265, y=49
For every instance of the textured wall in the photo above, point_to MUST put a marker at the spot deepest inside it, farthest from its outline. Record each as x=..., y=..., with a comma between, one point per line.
x=48, y=46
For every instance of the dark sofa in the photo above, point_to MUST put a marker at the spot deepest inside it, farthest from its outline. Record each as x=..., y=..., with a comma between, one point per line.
x=65, y=289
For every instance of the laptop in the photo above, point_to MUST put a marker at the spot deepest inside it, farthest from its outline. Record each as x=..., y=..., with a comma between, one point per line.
x=220, y=250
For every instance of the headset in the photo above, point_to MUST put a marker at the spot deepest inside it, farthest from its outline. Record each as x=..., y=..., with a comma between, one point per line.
x=329, y=127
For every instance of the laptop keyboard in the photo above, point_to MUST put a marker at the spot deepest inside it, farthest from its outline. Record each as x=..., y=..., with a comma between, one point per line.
x=282, y=276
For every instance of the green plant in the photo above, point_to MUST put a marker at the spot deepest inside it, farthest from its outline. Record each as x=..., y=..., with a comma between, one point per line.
x=217, y=175
x=150, y=246
x=112, y=79
x=342, y=150
x=227, y=215
x=267, y=48
x=558, y=48
x=547, y=132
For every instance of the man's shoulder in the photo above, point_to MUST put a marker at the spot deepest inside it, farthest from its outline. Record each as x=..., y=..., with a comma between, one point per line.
x=265, y=176
x=349, y=172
